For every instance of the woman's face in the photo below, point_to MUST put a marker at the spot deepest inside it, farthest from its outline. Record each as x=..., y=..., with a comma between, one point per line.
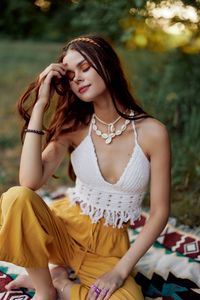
x=84, y=81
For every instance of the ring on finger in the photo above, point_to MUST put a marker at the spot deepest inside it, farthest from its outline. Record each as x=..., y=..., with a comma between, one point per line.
x=96, y=289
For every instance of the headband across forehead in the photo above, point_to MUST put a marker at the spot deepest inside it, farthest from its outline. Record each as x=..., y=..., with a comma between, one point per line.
x=84, y=39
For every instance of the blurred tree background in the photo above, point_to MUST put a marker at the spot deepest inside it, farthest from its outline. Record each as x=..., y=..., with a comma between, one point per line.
x=159, y=43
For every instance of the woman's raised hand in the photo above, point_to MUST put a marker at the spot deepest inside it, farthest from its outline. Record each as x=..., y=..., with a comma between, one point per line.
x=46, y=89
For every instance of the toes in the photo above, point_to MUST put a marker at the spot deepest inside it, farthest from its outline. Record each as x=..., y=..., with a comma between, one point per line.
x=20, y=281
x=11, y=285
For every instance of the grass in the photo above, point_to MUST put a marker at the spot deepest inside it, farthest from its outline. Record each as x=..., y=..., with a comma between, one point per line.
x=20, y=63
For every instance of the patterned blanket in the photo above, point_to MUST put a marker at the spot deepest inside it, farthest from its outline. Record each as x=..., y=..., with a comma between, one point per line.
x=170, y=270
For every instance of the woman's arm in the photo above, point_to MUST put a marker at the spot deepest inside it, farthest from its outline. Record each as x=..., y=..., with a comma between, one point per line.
x=159, y=152
x=157, y=147
x=35, y=167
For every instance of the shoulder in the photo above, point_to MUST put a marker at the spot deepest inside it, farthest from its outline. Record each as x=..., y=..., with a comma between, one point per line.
x=152, y=128
x=72, y=135
x=65, y=141
x=152, y=134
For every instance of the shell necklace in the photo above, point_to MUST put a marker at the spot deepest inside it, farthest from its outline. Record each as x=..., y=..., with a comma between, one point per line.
x=111, y=130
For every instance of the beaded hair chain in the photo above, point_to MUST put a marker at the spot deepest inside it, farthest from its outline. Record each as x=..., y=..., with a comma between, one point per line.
x=84, y=39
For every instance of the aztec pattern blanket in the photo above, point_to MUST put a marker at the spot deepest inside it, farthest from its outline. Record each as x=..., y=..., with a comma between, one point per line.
x=170, y=270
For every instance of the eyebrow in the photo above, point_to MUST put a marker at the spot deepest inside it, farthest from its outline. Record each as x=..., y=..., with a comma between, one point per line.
x=78, y=64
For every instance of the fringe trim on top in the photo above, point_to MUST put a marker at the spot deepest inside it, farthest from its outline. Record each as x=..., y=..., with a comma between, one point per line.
x=114, y=218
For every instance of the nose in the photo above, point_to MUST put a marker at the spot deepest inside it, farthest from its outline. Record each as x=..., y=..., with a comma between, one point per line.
x=77, y=77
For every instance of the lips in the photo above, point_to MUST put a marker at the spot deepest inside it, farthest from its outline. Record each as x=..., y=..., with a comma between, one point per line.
x=84, y=88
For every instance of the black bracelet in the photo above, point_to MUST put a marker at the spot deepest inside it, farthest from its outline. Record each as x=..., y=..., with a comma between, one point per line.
x=41, y=132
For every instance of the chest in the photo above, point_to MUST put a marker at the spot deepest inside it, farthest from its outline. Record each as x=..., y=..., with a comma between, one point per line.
x=113, y=158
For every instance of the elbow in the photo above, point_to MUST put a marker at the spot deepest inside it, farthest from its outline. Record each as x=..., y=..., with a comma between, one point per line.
x=162, y=216
x=29, y=184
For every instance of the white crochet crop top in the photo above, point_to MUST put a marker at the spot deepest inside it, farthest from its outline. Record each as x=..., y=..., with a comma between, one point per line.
x=116, y=203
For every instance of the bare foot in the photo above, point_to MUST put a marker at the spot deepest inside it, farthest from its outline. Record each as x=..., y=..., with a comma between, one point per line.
x=49, y=294
x=59, y=277
x=61, y=282
x=20, y=281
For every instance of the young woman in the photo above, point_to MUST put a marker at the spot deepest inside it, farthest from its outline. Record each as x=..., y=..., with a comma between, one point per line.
x=115, y=149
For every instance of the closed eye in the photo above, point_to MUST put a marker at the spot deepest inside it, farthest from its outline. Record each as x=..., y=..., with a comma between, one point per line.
x=85, y=67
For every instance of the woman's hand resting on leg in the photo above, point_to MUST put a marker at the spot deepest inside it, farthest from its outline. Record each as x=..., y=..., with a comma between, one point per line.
x=105, y=286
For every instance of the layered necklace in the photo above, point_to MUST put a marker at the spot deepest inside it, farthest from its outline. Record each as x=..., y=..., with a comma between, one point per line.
x=111, y=130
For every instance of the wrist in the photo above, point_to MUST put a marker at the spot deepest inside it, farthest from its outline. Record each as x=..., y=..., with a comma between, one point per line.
x=122, y=272
x=39, y=105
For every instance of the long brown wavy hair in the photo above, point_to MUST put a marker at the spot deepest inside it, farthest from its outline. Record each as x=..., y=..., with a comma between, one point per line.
x=71, y=110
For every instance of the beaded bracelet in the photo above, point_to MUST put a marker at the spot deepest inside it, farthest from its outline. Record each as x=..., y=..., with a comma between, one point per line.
x=41, y=132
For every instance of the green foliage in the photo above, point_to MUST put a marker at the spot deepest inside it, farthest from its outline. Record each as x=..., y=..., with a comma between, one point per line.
x=63, y=20
x=7, y=141
x=168, y=86
x=179, y=97
x=20, y=19
x=125, y=22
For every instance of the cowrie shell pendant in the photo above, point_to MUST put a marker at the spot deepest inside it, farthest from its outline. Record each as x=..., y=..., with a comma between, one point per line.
x=108, y=140
x=104, y=135
x=112, y=133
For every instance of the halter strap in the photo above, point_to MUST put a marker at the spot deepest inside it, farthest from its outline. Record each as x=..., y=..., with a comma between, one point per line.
x=134, y=129
x=90, y=127
x=135, y=132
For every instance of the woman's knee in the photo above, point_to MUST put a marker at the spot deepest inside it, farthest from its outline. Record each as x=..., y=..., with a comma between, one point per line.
x=16, y=196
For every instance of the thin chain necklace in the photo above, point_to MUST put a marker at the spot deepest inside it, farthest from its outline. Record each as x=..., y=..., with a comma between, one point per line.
x=111, y=125
x=111, y=130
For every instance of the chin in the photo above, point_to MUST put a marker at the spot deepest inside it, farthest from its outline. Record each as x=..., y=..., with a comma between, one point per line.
x=85, y=99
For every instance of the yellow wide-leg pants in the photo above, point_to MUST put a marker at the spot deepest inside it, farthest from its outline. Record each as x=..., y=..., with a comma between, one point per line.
x=33, y=235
